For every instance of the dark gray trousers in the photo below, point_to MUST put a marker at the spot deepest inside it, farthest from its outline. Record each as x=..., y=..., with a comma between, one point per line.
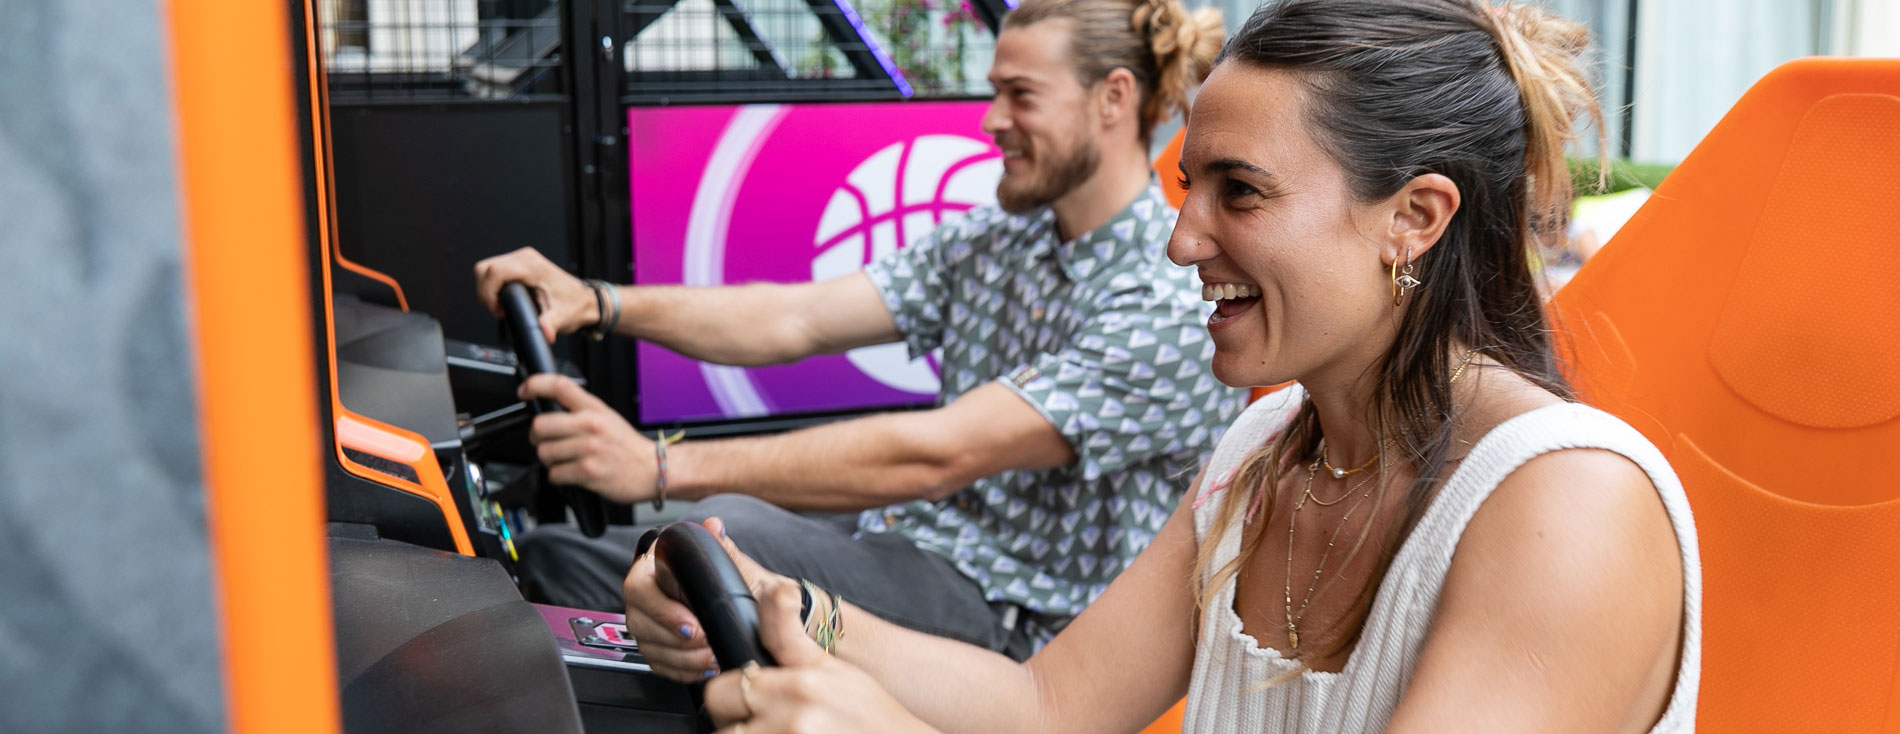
x=881, y=573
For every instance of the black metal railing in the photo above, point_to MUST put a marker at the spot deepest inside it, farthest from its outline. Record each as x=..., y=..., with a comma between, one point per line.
x=410, y=50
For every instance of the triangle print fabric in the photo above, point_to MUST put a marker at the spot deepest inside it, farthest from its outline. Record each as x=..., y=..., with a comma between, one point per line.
x=1108, y=340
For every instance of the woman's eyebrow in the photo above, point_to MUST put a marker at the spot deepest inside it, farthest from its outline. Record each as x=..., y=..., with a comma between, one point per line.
x=1229, y=164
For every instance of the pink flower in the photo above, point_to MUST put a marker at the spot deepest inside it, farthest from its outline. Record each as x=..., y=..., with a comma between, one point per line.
x=963, y=14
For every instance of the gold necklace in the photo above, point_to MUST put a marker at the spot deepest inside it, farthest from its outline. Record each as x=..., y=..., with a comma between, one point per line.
x=1348, y=493
x=1462, y=364
x=1339, y=473
x=1292, y=618
x=1306, y=493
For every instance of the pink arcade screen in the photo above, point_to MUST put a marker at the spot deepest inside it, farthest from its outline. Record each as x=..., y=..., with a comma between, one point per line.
x=793, y=193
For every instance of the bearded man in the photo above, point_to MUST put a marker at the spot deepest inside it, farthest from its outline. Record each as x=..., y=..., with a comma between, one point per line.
x=1075, y=396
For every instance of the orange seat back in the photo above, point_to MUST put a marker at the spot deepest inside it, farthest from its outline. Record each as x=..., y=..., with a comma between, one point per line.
x=1168, y=167
x=1747, y=320
x=1170, y=721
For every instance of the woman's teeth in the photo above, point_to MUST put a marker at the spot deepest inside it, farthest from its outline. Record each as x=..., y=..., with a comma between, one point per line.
x=1225, y=291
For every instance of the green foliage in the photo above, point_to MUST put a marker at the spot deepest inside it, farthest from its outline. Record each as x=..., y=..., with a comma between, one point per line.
x=821, y=59
x=926, y=40
x=1624, y=174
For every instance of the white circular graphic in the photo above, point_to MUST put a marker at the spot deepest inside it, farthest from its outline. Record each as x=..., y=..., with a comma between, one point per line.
x=895, y=196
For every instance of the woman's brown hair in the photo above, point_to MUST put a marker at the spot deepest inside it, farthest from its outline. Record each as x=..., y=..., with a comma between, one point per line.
x=1485, y=96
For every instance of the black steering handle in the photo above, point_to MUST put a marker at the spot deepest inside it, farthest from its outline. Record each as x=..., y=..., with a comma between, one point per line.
x=533, y=356
x=711, y=586
x=532, y=353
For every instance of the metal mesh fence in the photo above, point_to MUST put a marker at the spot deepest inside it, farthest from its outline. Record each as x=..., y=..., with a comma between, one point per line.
x=441, y=49
x=690, y=49
x=668, y=50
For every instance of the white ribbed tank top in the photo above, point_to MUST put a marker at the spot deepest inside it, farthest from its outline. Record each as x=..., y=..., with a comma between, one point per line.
x=1229, y=667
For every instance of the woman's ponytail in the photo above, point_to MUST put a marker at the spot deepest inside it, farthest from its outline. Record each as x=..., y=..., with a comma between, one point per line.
x=1184, y=45
x=1544, y=54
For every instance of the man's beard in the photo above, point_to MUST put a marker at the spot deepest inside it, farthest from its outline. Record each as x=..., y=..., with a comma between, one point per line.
x=1050, y=179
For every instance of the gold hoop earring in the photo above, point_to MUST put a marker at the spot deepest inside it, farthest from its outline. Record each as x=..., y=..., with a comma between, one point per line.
x=1402, y=280
x=1395, y=282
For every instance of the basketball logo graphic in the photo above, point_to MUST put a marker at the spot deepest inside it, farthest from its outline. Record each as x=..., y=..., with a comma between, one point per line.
x=896, y=195
x=786, y=194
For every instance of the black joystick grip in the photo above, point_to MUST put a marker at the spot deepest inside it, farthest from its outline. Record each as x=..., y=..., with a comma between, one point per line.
x=714, y=590
x=535, y=357
x=524, y=329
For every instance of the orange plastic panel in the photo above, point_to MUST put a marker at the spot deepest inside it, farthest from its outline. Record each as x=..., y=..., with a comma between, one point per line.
x=405, y=447
x=1744, y=322
x=1675, y=272
x=352, y=429
x=1799, y=603
x=1829, y=223
x=1168, y=167
x=250, y=303
x=1170, y=722
x=1261, y=392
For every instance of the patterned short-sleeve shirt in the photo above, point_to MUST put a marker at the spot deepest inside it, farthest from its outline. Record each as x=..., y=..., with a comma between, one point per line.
x=1107, y=339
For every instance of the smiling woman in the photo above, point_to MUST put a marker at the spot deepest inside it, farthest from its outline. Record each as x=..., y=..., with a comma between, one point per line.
x=1277, y=130
x=1480, y=553
x=1377, y=173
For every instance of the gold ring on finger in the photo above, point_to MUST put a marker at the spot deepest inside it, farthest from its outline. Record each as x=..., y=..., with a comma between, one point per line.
x=745, y=686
